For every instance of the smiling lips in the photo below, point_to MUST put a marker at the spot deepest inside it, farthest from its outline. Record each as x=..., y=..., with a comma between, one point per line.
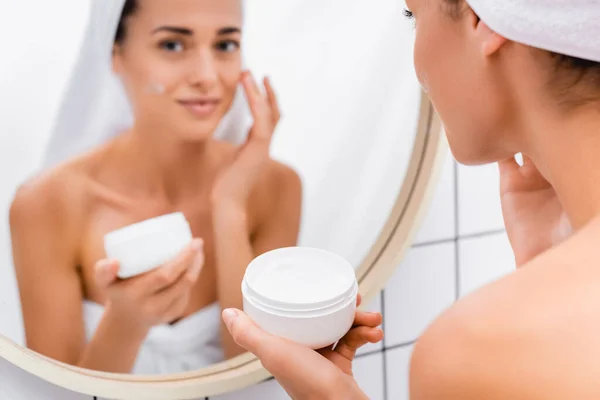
x=200, y=108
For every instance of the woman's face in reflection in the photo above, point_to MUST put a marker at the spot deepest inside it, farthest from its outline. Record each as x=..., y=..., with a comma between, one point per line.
x=465, y=87
x=180, y=63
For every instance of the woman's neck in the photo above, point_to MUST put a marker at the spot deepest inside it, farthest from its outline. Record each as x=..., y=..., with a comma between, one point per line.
x=164, y=166
x=566, y=150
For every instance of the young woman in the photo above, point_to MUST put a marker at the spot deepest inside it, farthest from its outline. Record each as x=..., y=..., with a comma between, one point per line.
x=506, y=77
x=180, y=65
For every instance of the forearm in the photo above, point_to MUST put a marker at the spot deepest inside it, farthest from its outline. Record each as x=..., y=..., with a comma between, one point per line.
x=233, y=253
x=114, y=347
x=351, y=392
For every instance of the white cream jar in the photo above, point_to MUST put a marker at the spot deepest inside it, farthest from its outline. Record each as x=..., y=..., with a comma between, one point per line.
x=303, y=294
x=146, y=245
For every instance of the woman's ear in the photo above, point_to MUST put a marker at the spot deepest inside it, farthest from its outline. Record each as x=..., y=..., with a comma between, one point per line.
x=490, y=41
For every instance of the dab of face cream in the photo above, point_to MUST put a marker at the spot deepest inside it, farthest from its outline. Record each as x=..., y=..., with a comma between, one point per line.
x=155, y=88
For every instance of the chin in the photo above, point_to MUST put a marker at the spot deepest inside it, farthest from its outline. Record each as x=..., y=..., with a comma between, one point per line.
x=197, y=131
x=475, y=155
x=196, y=136
x=469, y=152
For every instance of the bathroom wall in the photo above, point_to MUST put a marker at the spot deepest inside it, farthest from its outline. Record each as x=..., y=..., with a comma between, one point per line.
x=460, y=246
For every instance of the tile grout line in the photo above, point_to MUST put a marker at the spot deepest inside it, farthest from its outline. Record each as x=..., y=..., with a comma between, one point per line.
x=456, y=235
x=400, y=345
x=469, y=236
x=383, y=355
x=386, y=349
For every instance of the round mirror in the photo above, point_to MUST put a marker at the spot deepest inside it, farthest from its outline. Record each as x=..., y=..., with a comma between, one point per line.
x=131, y=128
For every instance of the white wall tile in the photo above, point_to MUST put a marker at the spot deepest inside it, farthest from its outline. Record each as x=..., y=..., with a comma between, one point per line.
x=267, y=390
x=374, y=306
x=397, y=365
x=439, y=223
x=479, y=199
x=422, y=287
x=368, y=372
x=483, y=260
x=16, y=384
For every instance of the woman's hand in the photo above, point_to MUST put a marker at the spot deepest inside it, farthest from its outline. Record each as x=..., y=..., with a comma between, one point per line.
x=305, y=373
x=234, y=185
x=533, y=216
x=156, y=297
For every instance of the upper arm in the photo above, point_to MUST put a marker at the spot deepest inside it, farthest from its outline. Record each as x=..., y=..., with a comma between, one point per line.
x=281, y=208
x=45, y=263
x=441, y=364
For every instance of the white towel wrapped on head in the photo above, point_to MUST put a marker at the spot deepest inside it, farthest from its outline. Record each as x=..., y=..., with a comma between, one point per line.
x=568, y=27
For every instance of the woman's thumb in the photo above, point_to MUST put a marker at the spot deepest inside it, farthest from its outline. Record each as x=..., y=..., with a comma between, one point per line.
x=244, y=331
x=106, y=272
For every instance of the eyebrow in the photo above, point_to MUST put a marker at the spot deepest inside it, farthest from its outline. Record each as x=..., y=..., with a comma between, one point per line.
x=188, y=32
x=228, y=30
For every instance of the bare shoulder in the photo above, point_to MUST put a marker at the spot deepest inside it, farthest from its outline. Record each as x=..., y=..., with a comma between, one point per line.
x=282, y=177
x=279, y=193
x=51, y=199
x=532, y=334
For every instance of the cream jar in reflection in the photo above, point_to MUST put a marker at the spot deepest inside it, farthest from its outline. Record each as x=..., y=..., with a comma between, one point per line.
x=303, y=294
x=146, y=245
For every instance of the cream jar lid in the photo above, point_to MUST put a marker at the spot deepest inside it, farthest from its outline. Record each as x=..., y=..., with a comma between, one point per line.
x=299, y=279
x=165, y=223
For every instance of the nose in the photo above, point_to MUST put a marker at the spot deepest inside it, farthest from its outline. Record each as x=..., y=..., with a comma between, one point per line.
x=203, y=71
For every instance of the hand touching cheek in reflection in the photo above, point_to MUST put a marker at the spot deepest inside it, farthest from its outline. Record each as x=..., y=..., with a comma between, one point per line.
x=235, y=183
x=256, y=204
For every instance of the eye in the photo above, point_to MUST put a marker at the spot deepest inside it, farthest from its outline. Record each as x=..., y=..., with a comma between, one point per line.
x=172, y=45
x=408, y=14
x=228, y=46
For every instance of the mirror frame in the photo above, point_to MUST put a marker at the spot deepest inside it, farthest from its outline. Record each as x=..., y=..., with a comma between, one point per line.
x=245, y=370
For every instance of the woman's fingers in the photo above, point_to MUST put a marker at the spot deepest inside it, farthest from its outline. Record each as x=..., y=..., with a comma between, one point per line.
x=165, y=303
x=264, y=108
x=165, y=276
x=275, y=112
x=356, y=338
x=358, y=300
x=251, y=85
x=253, y=95
x=367, y=319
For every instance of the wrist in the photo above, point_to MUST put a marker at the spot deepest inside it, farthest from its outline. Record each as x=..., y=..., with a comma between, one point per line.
x=353, y=391
x=129, y=329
